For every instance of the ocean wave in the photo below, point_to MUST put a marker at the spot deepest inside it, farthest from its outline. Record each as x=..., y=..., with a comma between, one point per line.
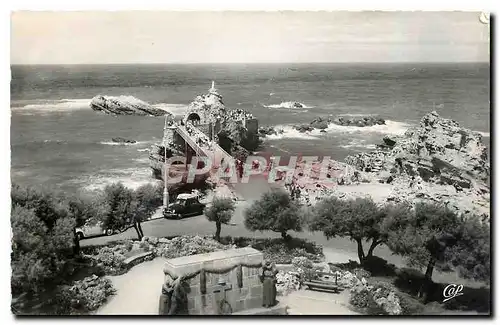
x=56, y=105
x=112, y=143
x=175, y=109
x=289, y=132
x=390, y=127
x=358, y=143
x=288, y=105
x=129, y=177
x=484, y=134
x=142, y=150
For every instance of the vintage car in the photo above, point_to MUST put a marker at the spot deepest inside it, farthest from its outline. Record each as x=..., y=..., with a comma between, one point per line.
x=185, y=205
x=93, y=230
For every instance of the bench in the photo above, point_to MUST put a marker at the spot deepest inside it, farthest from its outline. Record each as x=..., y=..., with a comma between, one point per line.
x=136, y=259
x=326, y=281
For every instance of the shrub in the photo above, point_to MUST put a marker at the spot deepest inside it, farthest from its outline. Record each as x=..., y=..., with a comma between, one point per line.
x=279, y=251
x=409, y=280
x=379, y=266
x=43, y=239
x=364, y=300
x=410, y=305
x=83, y=296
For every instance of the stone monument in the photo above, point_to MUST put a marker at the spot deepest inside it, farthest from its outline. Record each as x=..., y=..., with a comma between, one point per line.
x=218, y=283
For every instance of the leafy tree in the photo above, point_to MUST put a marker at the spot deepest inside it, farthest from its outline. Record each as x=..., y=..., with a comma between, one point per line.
x=471, y=254
x=274, y=211
x=435, y=237
x=147, y=199
x=42, y=240
x=220, y=212
x=358, y=219
x=119, y=207
x=83, y=209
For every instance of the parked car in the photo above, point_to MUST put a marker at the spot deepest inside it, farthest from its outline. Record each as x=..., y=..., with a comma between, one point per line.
x=185, y=205
x=89, y=230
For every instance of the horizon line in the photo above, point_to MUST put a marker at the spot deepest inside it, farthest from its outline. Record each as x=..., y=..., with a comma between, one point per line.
x=222, y=63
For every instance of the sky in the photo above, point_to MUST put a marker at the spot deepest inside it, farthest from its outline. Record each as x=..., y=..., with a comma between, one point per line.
x=246, y=37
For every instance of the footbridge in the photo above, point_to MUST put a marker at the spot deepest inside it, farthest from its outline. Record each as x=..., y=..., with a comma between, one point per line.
x=200, y=144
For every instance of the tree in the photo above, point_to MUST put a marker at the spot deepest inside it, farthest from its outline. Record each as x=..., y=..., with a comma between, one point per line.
x=274, y=211
x=147, y=199
x=119, y=207
x=220, y=212
x=83, y=208
x=471, y=254
x=42, y=240
x=429, y=238
x=358, y=219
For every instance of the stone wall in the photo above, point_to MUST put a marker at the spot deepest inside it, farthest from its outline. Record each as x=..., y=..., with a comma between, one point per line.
x=238, y=268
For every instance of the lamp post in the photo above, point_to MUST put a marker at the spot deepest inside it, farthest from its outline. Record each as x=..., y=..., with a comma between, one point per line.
x=165, y=176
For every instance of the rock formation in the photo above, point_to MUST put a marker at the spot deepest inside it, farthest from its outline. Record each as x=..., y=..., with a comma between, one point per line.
x=360, y=121
x=438, y=161
x=322, y=123
x=125, y=105
x=123, y=140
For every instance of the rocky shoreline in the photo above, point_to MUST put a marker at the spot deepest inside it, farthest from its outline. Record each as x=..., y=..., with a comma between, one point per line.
x=437, y=161
x=322, y=124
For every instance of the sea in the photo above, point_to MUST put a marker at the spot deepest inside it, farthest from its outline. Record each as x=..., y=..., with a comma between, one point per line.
x=58, y=141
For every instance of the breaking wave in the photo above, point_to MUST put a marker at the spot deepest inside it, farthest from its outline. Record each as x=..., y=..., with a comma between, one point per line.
x=289, y=132
x=288, y=105
x=175, y=109
x=390, y=127
x=112, y=143
x=63, y=105
x=130, y=177
x=358, y=144
x=484, y=134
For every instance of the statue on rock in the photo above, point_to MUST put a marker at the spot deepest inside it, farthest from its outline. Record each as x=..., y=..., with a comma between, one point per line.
x=268, y=279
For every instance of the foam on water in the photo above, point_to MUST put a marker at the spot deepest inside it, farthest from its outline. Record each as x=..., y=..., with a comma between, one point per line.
x=390, y=127
x=130, y=177
x=56, y=105
x=112, y=143
x=175, y=109
x=358, y=144
x=289, y=132
x=287, y=105
x=484, y=134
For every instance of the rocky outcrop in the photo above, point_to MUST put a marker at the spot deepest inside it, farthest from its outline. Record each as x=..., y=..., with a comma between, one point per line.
x=269, y=130
x=360, y=121
x=318, y=123
x=125, y=105
x=438, y=161
x=123, y=140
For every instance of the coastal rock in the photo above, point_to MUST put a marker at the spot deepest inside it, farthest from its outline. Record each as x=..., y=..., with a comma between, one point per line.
x=125, y=105
x=304, y=128
x=360, y=121
x=437, y=161
x=269, y=130
x=123, y=140
x=320, y=123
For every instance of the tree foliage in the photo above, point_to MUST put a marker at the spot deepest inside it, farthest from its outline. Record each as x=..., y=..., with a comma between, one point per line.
x=42, y=239
x=119, y=207
x=124, y=207
x=220, y=211
x=433, y=236
x=147, y=200
x=275, y=211
x=358, y=219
